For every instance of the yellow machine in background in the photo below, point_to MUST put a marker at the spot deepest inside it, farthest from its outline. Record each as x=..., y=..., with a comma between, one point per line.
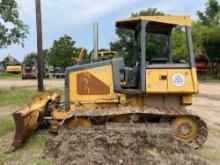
x=107, y=54
x=103, y=55
x=154, y=90
x=81, y=56
x=13, y=65
x=13, y=69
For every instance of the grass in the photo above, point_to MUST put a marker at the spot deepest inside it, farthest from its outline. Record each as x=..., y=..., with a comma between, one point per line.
x=15, y=97
x=6, y=124
x=20, y=96
x=30, y=153
x=209, y=153
x=10, y=76
x=210, y=77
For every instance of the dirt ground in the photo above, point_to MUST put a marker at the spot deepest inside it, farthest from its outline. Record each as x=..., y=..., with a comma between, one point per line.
x=207, y=106
x=7, y=84
x=99, y=146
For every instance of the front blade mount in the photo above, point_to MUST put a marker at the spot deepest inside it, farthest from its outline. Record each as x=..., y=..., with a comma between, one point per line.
x=27, y=119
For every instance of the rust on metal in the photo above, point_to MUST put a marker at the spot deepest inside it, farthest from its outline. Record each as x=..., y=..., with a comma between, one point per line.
x=87, y=84
x=27, y=119
x=173, y=111
x=25, y=124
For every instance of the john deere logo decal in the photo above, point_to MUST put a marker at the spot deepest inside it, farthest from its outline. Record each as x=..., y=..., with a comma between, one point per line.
x=178, y=80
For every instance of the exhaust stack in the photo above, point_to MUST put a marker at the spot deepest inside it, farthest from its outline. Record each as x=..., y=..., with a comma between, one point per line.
x=95, y=40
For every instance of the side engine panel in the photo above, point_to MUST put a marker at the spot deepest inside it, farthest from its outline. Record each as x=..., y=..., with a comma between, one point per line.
x=171, y=81
x=91, y=84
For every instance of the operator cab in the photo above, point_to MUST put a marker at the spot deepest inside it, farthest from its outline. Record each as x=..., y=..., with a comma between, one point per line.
x=152, y=48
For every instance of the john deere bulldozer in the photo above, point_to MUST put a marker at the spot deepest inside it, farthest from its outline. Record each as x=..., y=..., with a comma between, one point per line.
x=155, y=90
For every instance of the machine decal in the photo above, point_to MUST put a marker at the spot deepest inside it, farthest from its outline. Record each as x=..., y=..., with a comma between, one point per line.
x=99, y=70
x=178, y=80
x=87, y=84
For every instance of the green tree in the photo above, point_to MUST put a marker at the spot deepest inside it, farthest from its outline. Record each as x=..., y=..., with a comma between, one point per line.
x=212, y=44
x=211, y=15
x=45, y=54
x=12, y=29
x=10, y=61
x=179, y=44
x=207, y=30
x=198, y=34
x=124, y=45
x=148, y=12
x=5, y=60
x=63, y=52
x=31, y=58
x=179, y=51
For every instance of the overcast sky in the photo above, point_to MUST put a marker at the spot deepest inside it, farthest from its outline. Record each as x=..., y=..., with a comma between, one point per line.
x=75, y=18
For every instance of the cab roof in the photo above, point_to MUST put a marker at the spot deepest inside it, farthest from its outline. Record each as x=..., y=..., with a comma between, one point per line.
x=156, y=24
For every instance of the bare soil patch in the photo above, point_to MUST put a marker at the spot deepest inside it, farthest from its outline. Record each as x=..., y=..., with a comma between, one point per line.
x=99, y=146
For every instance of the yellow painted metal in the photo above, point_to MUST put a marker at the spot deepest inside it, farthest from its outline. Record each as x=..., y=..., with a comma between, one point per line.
x=162, y=81
x=154, y=83
x=103, y=73
x=59, y=115
x=134, y=100
x=187, y=99
x=174, y=20
x=79, y=122
x=81, y=56
x=10, y=69
x=38, y=103
x=185, y=128
x=31, y=120
x=195, y=81
x=107, y=53
x=27, y=118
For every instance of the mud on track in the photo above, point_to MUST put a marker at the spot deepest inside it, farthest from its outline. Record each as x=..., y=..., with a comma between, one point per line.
x=99, y=146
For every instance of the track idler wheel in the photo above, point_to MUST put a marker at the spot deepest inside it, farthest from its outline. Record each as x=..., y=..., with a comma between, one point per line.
x=190, y=129
x=78, y=123
x=185, y=129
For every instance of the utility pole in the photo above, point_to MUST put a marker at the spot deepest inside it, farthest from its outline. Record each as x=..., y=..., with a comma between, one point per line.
x=40, y=60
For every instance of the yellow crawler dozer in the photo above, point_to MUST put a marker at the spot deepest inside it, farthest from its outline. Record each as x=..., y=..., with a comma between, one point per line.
x=155, y=90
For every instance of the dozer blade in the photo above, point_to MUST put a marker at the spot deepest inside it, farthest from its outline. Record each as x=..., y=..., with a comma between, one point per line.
x=28, y=118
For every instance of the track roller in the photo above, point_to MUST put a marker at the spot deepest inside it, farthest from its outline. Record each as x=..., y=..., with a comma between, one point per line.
x=78, y=122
